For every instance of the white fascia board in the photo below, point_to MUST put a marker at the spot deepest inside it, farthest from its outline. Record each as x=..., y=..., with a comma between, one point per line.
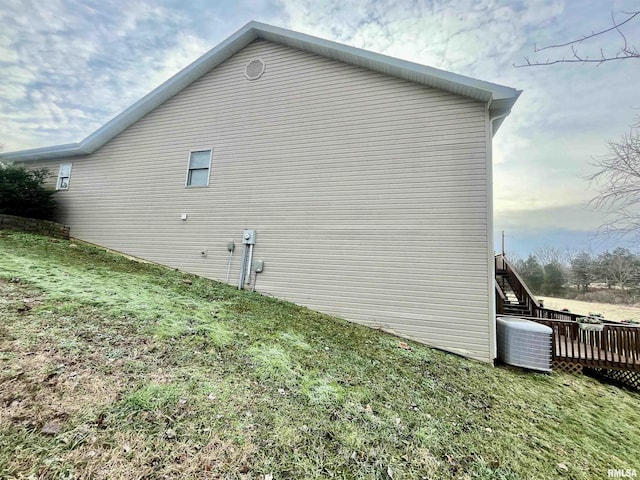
x=44, y=153
x=498, y=97
x=453, y=82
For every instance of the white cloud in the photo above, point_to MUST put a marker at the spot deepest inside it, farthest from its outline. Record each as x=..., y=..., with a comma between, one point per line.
x=75, y=66
x=576, y=217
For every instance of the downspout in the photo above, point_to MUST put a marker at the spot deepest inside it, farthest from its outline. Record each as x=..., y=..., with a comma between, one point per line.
x=490, y=251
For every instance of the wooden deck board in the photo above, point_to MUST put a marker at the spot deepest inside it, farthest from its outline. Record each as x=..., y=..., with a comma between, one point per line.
x=590, y=354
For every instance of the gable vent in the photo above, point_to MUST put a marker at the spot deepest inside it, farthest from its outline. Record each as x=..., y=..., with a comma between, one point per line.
x=254, y=69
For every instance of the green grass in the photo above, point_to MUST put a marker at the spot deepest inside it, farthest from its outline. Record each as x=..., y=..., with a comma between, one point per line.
x=148, y=376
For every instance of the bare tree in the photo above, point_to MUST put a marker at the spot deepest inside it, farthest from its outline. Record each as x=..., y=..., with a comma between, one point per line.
x=617, y=182
x=624, y=52
x=569, y=253
x=617, y=176
x=547, y=254
x=584, y=272
x=620, y=267
x=513, y=257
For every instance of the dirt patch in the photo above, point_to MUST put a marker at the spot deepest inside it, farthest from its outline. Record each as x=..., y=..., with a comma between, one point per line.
x=610, y=311
x=47, y=388
x=43, y=386
x=131, y=455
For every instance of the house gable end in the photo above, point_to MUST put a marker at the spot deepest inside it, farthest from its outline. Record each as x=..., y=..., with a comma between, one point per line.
x=499, y=98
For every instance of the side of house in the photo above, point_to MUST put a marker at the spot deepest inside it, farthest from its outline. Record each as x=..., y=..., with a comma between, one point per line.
x=370, y=194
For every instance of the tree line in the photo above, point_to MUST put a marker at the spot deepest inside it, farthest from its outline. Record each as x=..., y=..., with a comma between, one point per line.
x=613, y=275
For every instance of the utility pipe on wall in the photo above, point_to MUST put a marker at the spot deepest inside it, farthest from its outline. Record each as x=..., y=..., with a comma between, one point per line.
x=230, y=247
x=242, y=267
x=248, y=240
x=258, y=268
x=248, y=278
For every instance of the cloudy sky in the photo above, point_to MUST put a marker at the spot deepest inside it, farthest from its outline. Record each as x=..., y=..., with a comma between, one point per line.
x=67, y=67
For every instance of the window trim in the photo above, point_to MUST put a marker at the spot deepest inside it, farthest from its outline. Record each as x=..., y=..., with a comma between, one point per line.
x=189, y=169
x=60, y=177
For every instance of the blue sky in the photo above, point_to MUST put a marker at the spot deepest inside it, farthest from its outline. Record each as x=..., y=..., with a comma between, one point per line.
x=68, y=67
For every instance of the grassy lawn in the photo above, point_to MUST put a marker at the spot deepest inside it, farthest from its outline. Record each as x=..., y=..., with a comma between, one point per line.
x=115, y=369
x=608, y=310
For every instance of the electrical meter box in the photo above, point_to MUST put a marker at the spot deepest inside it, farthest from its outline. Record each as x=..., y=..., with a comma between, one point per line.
x=249, y=237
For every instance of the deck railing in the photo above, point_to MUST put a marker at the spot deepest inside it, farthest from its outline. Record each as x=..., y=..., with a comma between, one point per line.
x=500, y=298
x=550, y=314
x=607, y=345
x=525, y=296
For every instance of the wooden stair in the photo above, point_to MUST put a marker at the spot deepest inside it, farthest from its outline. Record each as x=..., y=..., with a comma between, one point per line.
x=512, y=305
x=513, y=297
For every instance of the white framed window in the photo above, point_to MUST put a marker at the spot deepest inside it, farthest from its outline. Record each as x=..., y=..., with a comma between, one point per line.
x=199, y=168
x=64, y=176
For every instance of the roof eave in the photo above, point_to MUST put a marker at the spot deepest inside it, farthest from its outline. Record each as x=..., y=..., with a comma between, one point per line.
x=434, y=77
x=501, y=108
x=45, y=153
x=493, y=94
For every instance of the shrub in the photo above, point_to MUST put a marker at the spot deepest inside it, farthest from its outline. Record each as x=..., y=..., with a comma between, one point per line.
x=615, y=297
x=591, y=320
x=23, y=192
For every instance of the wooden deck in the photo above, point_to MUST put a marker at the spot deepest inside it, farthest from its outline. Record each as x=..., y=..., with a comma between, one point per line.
x=613, y=351
x=577, y=349
x=615, y=346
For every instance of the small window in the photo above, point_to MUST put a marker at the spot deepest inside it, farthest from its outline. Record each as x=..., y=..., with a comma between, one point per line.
x=199, y=166
x=64, y=175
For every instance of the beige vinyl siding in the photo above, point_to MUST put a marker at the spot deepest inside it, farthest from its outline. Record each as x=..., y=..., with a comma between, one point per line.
x=368, y=193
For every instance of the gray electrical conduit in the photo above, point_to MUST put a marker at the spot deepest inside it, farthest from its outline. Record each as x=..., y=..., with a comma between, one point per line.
x=249, y=265
x=230, y=247
x=242, y=267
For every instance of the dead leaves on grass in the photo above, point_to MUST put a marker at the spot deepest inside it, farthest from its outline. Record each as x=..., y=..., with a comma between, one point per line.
x=51, y=428
x=44, y=387
x=47, y=390
x=28, y=303
x=134, y=455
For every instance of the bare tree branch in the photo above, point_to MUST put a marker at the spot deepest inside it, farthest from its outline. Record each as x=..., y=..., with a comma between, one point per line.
x=547, y=254
x=624, y=53
x=616, y=26
x=617, y=182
